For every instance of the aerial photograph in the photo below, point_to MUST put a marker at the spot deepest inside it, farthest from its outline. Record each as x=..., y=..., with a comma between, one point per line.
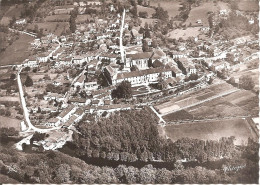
x=129, y=91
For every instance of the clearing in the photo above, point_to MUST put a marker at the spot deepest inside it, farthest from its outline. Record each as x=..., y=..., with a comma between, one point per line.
x=10, y=122
x=212, y=130
x=171, y=6
x=17, y=52
x=184, y=33
x=248, y=5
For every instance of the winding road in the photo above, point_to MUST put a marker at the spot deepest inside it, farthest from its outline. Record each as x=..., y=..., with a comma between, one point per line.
x=31, y=127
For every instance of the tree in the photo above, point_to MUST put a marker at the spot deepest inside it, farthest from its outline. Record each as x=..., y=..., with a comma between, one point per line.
x=145, y=46
x=12, y=76
x=246, y=82
x=123, y=90
x=72, y=24
x=28, y=81
x=139, y=2
x=143, y=14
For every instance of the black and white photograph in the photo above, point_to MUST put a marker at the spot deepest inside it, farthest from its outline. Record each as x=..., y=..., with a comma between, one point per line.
x=129, y=91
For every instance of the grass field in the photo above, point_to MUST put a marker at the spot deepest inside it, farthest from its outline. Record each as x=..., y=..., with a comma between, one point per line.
x=57, y=18
x=17, y=52
x=51, y=27
x=149, y=21
x=150, y=11
x=201, y=12
x=9, y=98
x=212, y=130
x=171, y=6
x=9, y=122
x=244, y=5
x=82, y=18
x=185, y=34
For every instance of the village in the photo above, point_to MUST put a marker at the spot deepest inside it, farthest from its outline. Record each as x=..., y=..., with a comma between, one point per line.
x=72, y=75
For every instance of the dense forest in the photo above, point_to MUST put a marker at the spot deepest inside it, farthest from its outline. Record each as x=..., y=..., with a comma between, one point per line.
x=133, y=135
x=56, y=167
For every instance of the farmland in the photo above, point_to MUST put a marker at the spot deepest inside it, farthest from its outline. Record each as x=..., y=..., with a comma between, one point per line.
x=17, y=52
x=9, y=122
x=192, y=98
x=212, y=130
x=171, y=6
x=82, y=18
x=185, y=34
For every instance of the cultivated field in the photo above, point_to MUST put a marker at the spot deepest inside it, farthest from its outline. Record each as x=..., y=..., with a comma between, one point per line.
x=171, y=6
x=150, y=11
x=17, y=52
x=212, y=130
x=192, y=98
x=185, y=34
x=9, y=122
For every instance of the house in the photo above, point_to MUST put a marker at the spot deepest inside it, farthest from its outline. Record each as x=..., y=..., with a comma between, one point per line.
x=77, y=101
x=251, y=21
x=89, y=86
x=140, y=77
x=223, y=12
x=78, y=59
x=93, y=3
x=21, y=21
x=80, y=81
x=31, y=62
x=158, y=54
x=53, y=122
x=219, y=65
x=66, y=113
x=186, y=66
x=139, y=59
x=137, y=36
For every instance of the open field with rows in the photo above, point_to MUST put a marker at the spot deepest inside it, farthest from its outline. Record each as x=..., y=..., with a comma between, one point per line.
x=212, y=130
x=240, y=103
x=182, y=101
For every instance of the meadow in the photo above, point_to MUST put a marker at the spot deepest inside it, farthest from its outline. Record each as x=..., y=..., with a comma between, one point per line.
x=9, y=122
x=17, y=52
x=212, y=130
x=171, y=6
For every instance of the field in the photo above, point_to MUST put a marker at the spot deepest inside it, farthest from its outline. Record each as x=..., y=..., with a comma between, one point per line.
x=9, y=98
x=185, y=34
x=149, y=21
x=240, y=103
x=248, y=5
x=201, y=12
x=82, y=18
x=9, y=122
x=57, y=18
x=171, y=6
x=212, y=130
x=182, y=101
x=17, y=52
x=150, y=11
x=51, y=27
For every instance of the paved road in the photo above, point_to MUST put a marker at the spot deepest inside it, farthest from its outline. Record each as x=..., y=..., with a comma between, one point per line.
x=23, y=32
x=31, y=127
